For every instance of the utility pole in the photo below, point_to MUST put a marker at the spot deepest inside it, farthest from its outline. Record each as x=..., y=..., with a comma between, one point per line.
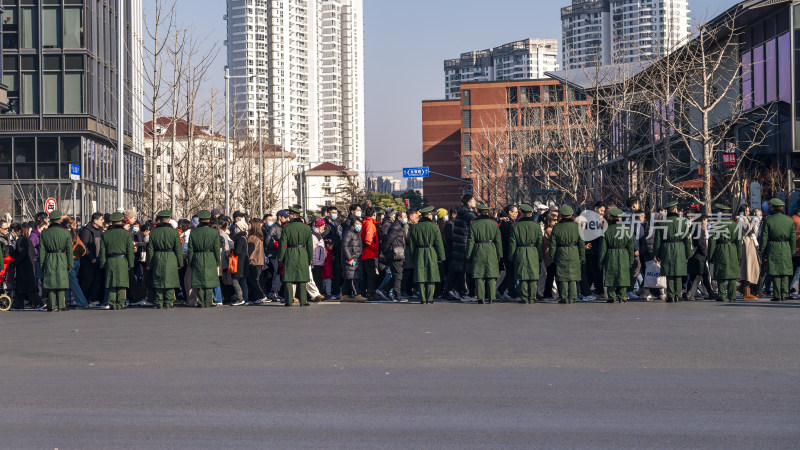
x=227, y=141
x=120, y=105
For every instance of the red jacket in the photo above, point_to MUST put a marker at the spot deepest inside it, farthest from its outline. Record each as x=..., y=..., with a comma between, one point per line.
x=369, y=236
x=797, y=233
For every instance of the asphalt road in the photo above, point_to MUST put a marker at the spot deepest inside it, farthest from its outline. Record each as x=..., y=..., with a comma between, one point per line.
x=640, y=375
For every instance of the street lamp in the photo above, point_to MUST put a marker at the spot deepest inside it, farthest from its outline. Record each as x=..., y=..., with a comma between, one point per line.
x=228, y=137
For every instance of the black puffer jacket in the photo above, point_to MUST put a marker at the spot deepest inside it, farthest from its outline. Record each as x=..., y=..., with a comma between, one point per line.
x=464, y=218
x=395, y=239
x=351, y=249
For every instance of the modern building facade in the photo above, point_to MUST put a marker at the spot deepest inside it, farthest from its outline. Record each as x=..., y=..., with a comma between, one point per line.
x=297, y=66
x=599, y=32
x=525, y=59
x=60, y=64
x=388, y=185
x=441, y=152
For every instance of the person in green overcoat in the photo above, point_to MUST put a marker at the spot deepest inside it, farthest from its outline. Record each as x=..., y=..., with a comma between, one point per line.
x=616, y=257
x=725, y=253
x=203, y=257
x=296, y=252
x=116, y=259
x=55, y=256
x=672, y=247
x=164, y=258
x=525, y=248
x=777, y=244
x=568, y=252
x=427, y=249
x=484, y=250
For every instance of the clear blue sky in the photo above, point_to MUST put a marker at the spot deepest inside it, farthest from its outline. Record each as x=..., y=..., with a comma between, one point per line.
x=405, y=45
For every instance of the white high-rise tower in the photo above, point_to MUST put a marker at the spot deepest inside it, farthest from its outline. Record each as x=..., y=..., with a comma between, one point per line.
x=298, y=66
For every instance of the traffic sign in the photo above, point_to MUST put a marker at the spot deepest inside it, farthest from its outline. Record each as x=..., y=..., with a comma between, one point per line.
x=49, y=205
x=74, y=172
x=416, y=172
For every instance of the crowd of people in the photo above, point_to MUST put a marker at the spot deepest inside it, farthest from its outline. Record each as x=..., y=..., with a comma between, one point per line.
x=471, y=253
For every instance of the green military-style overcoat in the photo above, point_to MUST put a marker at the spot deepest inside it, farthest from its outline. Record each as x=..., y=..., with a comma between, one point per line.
x=296, y=252
x=725, y=250
x=525, y=248
x=485, y=248
x=777, y=243
x=116, y=256
x=55, y=256
x=203, y=257
x=672, y=245
x=616, y=255
x=164, y=256
x=567, y=249
x=427, y=249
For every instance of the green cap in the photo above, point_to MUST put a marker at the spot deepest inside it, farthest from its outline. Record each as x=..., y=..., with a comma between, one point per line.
x=116, y=217
x=722, y=207
x=204, y=214
x=566, y=210
x=671, y=205
x=616, y=213
x=295, y=210
x=164, y=213
x=777, y=202
x=55, y=215
x=427, y=210
x=526, y=208
x=482, y=207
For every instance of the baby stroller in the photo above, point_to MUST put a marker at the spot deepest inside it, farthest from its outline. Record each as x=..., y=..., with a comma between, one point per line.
x=7, y=283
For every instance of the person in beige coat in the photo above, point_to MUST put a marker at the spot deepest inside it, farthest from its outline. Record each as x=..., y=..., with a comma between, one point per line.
x=749, y=266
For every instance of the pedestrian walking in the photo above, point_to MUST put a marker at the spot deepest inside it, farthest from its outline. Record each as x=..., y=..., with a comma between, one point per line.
x=55, y=254
x=255, y=255
x=370, y=251
x=352, y=248
x=296, y=254
x=27, y=285
x=203, y=256
x=725, y=253
x=778, y=242
x=456, y=284
x=672, y=247
x=697, y=266
x=484, y=251
x=427, y=249
x=525, y=248
x=616, y=257
x=568, y=251
x=164, y=259
x=116, y=260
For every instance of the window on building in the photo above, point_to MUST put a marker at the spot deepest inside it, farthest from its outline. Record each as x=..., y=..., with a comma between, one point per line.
x=467, y=160
x=30, y=28
x=29, y=85
x=466, y=117
x=327, y=179
x=465, y=98
x=747, y=81
x=51, y=27
x=531, y=117
x=466, y=142
x=73, y=27
x=5, y=158
x=24, y=157
x=512, y=95
x=10, y=28
x=47, y=158
x=512, y=117
x=758, y=75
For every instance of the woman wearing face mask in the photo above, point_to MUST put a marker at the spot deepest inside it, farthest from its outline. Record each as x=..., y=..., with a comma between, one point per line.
x=318, y=233
x=78, y=251
x=25, y=262
x=240, y=245
x=255, y=252
x=351, y=263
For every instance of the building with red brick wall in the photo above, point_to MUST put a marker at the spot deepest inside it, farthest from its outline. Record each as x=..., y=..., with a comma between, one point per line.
x=441, y=152
x=515, y=141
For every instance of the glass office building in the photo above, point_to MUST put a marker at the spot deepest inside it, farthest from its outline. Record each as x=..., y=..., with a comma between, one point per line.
x=59, y=64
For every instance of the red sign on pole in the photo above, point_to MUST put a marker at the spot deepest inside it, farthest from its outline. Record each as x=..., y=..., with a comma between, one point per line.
x=49, y=205
x=729, y=160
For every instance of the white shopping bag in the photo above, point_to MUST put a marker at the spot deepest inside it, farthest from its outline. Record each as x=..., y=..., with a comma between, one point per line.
x=652, y=276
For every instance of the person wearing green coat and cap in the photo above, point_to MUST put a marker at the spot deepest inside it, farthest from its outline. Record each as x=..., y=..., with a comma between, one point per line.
x=55, y=256
x=484, y=249
x=568, y=251
x=296, y=252
x=672, y=247
x=525, y=248
x=777, y=244
x=164, y=258
x=116, y=259
x=427, y=249
x=617, y=257
x=204, y=258
x=725, y=252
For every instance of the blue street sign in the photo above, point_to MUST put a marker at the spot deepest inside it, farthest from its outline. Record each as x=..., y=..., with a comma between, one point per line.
x=74, y=172
x=416, y=172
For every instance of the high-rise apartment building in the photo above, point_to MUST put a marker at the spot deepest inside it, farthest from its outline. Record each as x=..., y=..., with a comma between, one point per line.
x=297, y=66
x=60, y=63
x=597, y=32
x=520, y=60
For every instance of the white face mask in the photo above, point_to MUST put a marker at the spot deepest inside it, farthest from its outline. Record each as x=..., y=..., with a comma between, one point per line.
x=358, y=228
x=135, y=229
x=358, y=214
x=405, y=221
x=334, y=216
x=269, y=224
